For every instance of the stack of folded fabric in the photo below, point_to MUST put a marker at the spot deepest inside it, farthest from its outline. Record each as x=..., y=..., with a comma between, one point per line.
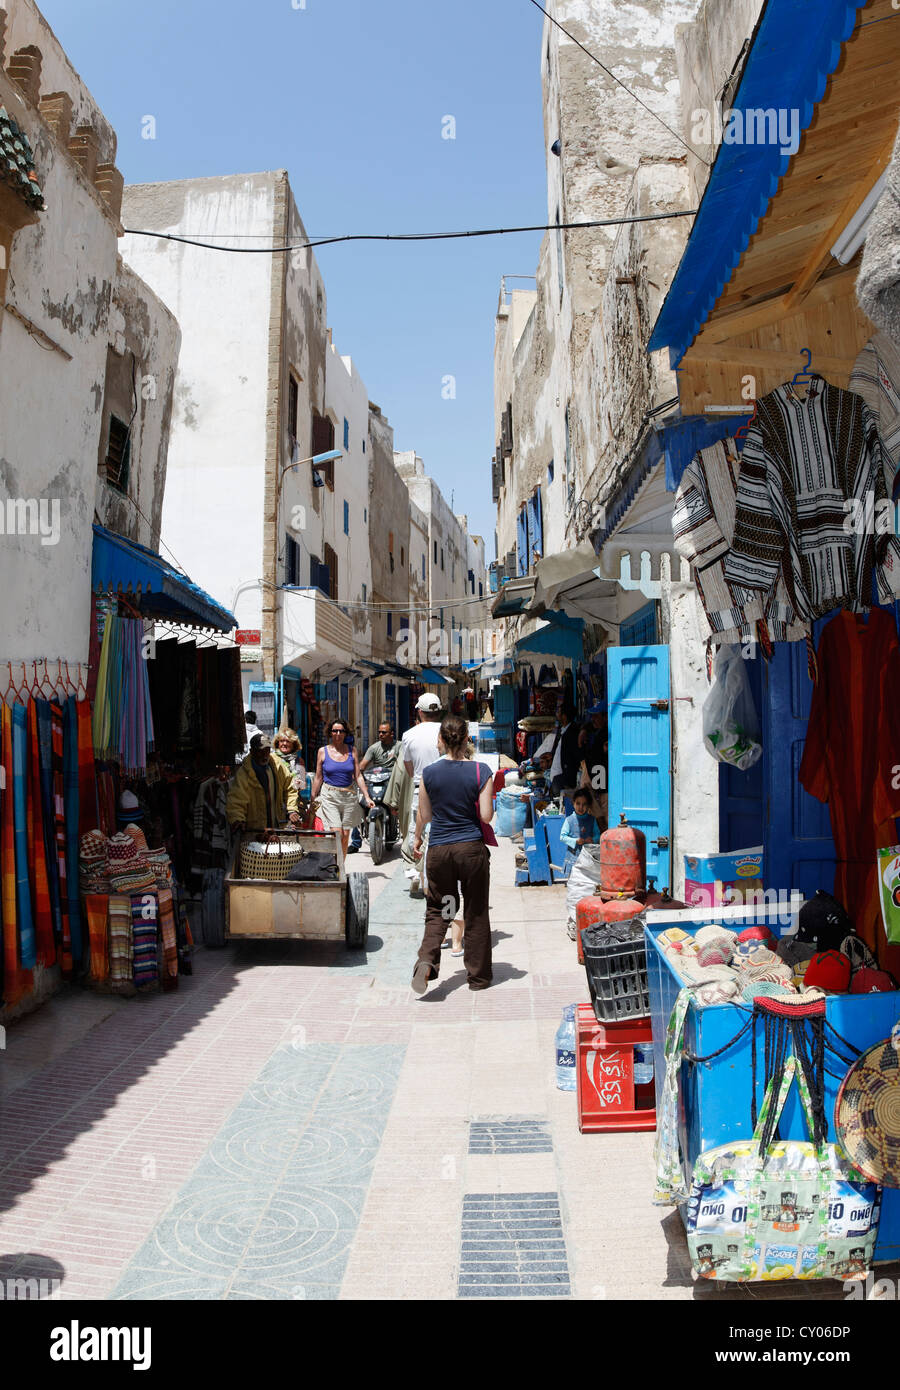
x=722, y=965
x=93, y=863
x=129, y=871
x=161, y=867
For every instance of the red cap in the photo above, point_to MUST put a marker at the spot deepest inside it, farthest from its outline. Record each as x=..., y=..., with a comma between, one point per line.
x=759, y=933
x=829, y=970
x=869, y=981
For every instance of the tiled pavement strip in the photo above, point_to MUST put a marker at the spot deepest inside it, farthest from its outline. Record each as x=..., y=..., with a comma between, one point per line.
x=294, y=1123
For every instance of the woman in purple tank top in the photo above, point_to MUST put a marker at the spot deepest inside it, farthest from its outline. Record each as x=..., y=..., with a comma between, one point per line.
x=337, y=777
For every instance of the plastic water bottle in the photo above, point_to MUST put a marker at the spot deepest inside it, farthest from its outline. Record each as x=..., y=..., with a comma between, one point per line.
x=565, y=1050
x=643, y=1064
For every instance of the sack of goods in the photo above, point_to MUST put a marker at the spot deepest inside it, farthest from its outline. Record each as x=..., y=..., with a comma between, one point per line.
x=783, y=1210
x=587, y=871
x=270, y=859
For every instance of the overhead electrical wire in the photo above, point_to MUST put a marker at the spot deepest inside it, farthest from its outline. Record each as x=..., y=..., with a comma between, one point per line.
x=412, y=236
x=610, y=73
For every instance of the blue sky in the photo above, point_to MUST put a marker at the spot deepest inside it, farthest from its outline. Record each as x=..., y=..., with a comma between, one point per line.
x=349, y=96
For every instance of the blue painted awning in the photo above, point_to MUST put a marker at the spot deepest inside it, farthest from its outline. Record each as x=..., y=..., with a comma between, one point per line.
x=430, y=676
x=561, y=636
x=796, y=48
x=153, y=586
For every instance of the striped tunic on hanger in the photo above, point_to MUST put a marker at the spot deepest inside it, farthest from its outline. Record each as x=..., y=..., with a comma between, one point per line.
x=803, y=460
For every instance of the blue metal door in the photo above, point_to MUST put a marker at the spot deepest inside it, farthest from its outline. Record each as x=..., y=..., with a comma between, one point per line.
x=640, y=750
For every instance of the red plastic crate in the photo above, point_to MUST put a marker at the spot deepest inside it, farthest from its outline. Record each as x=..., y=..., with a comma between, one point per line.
x=604, y=1069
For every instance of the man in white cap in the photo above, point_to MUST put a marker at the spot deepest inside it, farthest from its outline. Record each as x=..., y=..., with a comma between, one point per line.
x=419, y=750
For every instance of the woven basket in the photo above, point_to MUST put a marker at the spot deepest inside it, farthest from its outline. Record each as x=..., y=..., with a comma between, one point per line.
x=272, y=860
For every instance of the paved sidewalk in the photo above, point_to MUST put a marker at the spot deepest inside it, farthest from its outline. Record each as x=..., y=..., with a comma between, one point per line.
x=294, y=1123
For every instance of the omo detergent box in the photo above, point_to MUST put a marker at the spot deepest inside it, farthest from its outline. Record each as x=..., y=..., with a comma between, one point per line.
x=723, y=880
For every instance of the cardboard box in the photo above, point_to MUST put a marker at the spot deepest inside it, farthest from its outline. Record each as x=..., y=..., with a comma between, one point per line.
x=711, y=880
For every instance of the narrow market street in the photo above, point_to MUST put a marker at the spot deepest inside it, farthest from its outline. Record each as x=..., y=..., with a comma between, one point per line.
x=293, y=1123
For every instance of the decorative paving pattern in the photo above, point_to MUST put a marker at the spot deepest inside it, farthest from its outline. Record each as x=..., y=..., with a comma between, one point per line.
x=509, y=1136
x=272, y=1208
x=512, y=1246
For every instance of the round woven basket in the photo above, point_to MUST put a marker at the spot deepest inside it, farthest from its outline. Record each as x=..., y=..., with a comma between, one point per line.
x=270, y=860
x=867, y=1113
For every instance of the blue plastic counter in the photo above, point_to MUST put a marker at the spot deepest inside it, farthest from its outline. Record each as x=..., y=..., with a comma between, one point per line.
x=716, y=1095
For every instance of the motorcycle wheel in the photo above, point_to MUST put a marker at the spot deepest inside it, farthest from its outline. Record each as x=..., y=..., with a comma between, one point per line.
x=376, y=839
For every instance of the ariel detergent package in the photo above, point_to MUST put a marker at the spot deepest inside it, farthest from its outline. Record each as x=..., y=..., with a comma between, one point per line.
x=889, y=891
x=722, y=880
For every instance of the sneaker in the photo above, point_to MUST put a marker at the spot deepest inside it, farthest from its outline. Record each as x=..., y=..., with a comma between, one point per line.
x=421, y=976
x=571, y=931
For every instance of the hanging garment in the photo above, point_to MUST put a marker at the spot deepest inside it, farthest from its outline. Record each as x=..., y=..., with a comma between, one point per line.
x=96, y=907
x=211, y=834
x=212, y=907
x=37, y=847
x=17, y=981
x=59, y=811
x=27, y=941
x=145, y=940
x=87, y=776
x=876, y=377
x=812, y=470
x=70, y=781
x=48, y=809
x=167, y=934
x=703, y=526
x=121, y=954
x=851, y=756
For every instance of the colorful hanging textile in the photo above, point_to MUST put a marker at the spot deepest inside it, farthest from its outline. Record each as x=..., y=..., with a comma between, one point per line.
x=143, y=930
x=120, y=941
x=122, y=722
x=167, y=932
x=17, y=981
x=48, y=809
x=96, y=909
x=37, y=846
x=70, y=773
x=27, y=942
x=87, y=775
x=59, y=811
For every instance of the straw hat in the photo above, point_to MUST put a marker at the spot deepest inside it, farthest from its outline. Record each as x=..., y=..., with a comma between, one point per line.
x=867, y=1113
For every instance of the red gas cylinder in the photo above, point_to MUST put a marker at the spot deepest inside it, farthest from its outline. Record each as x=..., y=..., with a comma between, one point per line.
x=662, y=901
x=590, y=911
x=623, y=860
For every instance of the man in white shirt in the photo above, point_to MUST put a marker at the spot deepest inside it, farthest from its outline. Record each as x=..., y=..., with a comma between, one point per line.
x=419, y=750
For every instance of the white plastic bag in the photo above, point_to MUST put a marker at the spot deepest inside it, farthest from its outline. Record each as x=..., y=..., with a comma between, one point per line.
x=730, y=722
x=583, y=879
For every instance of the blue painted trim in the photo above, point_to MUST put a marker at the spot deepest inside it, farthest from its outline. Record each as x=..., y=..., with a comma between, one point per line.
x=795, y=50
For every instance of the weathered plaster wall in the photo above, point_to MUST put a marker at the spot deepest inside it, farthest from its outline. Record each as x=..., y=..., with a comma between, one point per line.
x=61, y=273
x=214, y=502
x=142, y=357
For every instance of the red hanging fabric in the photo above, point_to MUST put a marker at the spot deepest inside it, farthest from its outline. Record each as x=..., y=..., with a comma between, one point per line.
x=16, y=981
x=37, y=855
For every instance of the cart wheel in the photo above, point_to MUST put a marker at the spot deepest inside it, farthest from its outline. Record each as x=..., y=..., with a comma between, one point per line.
x=357, y=924
x=376, y=839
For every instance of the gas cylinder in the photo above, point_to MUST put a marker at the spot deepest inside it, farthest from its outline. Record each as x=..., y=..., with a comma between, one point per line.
x=662, y=901
x=590, y=911
x=623, y=860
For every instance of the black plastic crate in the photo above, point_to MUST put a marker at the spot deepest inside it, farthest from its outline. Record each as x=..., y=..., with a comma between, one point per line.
x=617, y=974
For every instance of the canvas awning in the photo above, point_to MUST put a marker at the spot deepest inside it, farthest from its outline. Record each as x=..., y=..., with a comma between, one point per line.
x=559, y=639
x=429, y=676
x=152, y=585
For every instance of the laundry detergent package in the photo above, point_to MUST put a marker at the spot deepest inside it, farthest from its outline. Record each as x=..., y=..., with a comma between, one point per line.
x=723, y=880
x=889, y=891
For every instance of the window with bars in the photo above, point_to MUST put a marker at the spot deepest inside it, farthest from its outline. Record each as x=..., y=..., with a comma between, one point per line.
x=291, y=561
x=323, y=443
x=331, y=564
x=293, y=408
x=118, y=454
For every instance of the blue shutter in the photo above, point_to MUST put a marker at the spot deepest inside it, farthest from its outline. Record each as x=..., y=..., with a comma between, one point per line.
x=346, y=518
x=639, y=749
x=536, y=538
x=640, y=629
x=522, y=541
x=346, y=434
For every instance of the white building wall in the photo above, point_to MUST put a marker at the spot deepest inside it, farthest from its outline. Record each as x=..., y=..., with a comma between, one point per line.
x=346, y=399
x=213, y=511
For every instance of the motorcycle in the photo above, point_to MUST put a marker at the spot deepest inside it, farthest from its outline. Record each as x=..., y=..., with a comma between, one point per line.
x=382, y=826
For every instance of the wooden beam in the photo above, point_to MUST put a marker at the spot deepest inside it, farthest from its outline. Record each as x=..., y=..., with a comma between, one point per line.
x=726, y=326
x=821, y=253
x=738, y=356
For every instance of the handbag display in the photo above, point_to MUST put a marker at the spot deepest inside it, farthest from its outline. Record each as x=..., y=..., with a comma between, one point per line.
x=269, y=859
x=790, y=1211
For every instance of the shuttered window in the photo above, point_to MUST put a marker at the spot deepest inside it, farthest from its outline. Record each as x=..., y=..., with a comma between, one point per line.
x=118, y=454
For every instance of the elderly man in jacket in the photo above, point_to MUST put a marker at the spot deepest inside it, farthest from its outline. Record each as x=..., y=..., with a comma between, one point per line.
x=263, y=792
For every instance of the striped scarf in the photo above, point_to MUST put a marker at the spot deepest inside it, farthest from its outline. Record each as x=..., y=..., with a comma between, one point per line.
x=59, y=812
x=167, y=932
x=37, y=846
x=27, y=941
x=17, y=982
x=144, y=934
x=48, y=807
x=70, y=793
x=120, y=942
x=96, y=906
x=87, y=773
